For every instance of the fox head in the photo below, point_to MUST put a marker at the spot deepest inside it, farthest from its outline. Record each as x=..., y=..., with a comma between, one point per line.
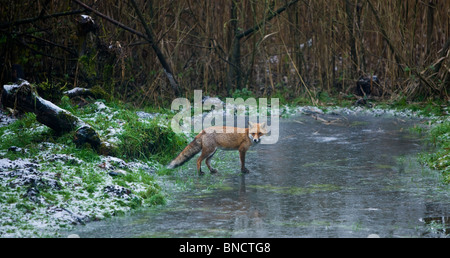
x=256, y=130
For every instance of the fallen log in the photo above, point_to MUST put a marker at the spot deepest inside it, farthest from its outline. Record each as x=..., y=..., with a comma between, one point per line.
x=95, y=92
x=23, y=97
x=76, y=92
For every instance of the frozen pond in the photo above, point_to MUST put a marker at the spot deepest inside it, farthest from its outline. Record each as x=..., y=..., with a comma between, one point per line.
x=353, y=177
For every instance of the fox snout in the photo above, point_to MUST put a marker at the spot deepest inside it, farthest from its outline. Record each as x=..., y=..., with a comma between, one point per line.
x=255, y=137
x=256, y=131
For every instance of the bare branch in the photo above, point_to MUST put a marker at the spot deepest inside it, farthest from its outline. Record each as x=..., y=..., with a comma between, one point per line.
x=150, y=38
x=268, y=18
x=31, y=20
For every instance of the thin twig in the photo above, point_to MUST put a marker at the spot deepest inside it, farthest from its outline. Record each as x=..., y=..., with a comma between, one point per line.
x=31, y=20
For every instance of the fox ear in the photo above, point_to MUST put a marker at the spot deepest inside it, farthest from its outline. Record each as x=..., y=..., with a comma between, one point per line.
x=251, y=124
x=262, y=125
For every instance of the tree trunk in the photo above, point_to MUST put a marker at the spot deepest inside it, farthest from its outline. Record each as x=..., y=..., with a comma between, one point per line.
x=234, y=54
x=234, y=73
x=430, y=24
x=349, y=8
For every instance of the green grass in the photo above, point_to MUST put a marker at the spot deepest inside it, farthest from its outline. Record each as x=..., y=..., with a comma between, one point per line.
x=423, y=108
x=138, y=138
x=439, y=136
x=20, y=133
x=149, y=140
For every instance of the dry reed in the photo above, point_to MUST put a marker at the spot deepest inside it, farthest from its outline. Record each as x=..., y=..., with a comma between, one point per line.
x=314, y=46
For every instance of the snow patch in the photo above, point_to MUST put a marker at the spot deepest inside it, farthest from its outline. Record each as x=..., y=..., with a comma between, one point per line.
x=5, y=119
x=7, y=164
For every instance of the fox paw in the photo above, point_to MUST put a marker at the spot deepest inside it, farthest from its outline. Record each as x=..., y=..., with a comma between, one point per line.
x=214, y=171
x=201, y=173
x=245, y=170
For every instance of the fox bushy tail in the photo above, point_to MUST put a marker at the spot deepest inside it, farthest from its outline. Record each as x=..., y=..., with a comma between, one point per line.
x=193, y=148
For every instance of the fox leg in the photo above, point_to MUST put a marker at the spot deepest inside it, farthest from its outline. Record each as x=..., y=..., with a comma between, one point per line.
x=206, y=153
x=208, y=162
x=199, y=164
x=242, y=156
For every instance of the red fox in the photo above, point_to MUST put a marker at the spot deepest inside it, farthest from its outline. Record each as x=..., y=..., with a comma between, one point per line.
x=222, y=137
